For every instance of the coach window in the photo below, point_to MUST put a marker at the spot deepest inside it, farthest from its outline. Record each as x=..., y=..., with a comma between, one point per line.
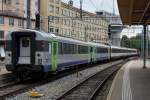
x=60, y=48
x=64, y=48
x=79, y=52
x=68, y=47
x=104, y=50
x=73, y=48
x=25, y=43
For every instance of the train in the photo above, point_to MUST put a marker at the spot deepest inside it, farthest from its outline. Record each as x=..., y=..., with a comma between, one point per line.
x=33, y=53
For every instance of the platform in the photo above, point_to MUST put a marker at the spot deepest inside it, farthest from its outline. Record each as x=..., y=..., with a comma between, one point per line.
x=132, y=82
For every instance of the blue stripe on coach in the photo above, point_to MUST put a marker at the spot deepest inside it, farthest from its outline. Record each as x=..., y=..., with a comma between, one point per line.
x=47, y=68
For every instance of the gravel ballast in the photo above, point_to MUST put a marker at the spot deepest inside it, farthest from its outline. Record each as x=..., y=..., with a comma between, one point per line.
x=56, y=88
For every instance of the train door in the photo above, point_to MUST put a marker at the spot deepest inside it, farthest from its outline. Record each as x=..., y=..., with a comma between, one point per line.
x=109, y=52
x=92, y=54
x=54, y=55
x=25, y=50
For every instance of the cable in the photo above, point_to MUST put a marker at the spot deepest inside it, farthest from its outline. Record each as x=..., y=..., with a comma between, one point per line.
x=93, y=4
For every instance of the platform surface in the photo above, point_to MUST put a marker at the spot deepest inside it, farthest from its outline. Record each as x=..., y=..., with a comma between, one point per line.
x=132, y=82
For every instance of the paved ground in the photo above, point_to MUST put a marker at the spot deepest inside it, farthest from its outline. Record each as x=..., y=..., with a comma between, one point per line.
x=132, y=82
x=2, y=68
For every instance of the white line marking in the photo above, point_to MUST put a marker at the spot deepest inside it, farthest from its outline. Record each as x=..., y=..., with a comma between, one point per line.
x=126, y=88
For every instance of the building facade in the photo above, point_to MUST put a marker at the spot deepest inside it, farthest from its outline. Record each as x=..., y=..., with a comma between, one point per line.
x=13, y=14
x=64, y=20
x=115, y=25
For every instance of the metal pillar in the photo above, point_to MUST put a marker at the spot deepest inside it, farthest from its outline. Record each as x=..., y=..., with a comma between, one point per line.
x=2, y=5
x=48, y=24
x=85, y=35
x=144, y=50
x=38, y=19
x=147, y=42
x=81, y=2
x=28, y=13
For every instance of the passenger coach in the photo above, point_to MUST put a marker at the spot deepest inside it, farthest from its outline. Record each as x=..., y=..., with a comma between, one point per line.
x=31, y=53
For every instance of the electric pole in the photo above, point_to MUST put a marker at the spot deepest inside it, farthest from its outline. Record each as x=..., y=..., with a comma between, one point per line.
x=2, y=5
x=113, y=7
x=81, y=2
x=28, y=13
x=38, y=18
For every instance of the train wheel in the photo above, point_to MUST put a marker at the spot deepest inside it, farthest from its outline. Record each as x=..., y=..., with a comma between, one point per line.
x=23, y=73
x=36, y=76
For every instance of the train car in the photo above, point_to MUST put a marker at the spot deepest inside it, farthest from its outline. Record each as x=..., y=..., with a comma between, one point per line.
x=31, y=53
x=101, y=51
x=120, y=52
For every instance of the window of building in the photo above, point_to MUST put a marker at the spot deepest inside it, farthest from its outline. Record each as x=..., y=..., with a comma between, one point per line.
x=51, y=8
x=51, y=0
x=1, y=19
x=72, y=15
x=17, y=2
x=57, y=30
x=62, y=11
x=2, y=34
x=7, y=2
x=57, y=10
x=69, y=13
x=20, y=22
x=57, y=20
x=57, y=1
x=76, y=14
x=65, y=12
x=11, y=21
x=17, y=9
x=65, y=22
x=51, y=18
x=51, y=29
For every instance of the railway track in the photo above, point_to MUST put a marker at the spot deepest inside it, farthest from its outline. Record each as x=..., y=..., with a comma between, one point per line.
x=88, y=89
x=7, y=80
x=16, y=88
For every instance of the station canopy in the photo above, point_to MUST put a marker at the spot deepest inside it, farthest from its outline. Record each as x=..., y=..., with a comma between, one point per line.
x=134, y=12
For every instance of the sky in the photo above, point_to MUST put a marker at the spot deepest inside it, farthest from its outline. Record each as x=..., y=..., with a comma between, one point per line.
x=107, y=5
x=97, y=5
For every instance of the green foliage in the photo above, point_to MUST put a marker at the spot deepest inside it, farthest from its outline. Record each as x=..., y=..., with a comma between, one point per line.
x=133, y=42
x=136, y=42
x=125, y=41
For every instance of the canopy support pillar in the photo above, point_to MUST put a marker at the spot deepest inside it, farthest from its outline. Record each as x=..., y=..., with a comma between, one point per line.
x=144, y=48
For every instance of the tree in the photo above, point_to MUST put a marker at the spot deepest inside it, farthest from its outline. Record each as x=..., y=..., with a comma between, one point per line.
x=125, y=42
x=136, y=42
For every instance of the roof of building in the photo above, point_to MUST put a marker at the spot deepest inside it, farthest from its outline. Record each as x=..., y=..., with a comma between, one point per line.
x=78, y=10
x=134, y=12
x=10, y=14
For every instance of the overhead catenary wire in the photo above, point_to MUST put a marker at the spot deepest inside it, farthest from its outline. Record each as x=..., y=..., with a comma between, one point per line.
x=96, y=8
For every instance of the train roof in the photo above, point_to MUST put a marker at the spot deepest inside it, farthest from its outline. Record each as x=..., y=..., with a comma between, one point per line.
x=117, y=47
x=48, y=36
x=39, y=34
x=98, y=44
x=69, y=40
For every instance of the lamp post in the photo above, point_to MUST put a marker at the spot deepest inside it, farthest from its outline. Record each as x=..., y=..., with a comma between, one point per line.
x=28, y=13
x=81, y=2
